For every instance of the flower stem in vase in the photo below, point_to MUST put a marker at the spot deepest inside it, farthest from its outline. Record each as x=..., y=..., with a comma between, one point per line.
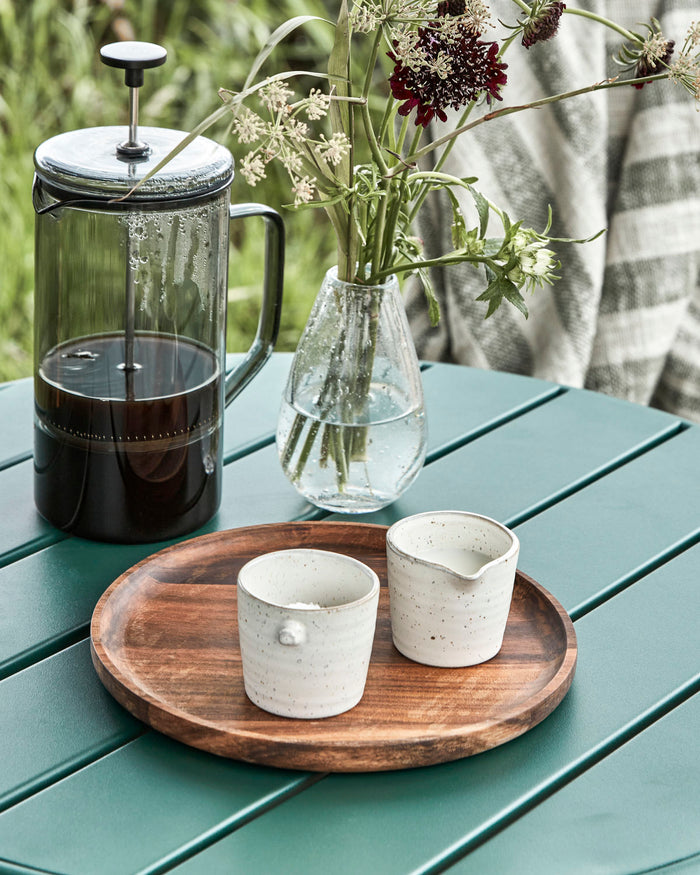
x=364, y=376
x=327, y=400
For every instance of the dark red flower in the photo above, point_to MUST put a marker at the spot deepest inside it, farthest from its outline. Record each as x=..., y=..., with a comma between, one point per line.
x=474, y=69
x=648, y=64
x=543, y=22
x=451, y=7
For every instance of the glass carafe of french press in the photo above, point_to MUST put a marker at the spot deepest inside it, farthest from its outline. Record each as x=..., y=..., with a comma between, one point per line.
x=130, y=323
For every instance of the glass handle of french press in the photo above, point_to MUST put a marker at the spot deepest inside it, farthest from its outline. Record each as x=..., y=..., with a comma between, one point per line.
x=269, y=321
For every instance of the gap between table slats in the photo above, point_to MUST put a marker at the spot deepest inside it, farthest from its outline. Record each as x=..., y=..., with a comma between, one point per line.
x=626, y=734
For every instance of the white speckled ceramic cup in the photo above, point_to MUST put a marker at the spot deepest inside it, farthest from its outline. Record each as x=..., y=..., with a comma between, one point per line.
x=451, y=577
x=306, y=621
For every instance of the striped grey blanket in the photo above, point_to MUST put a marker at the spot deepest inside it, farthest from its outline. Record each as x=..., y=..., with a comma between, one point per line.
x=625, y=316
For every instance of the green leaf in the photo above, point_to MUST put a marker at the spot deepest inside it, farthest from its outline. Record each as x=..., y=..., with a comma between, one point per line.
x=549, y=220
x=501, y=288
x=578, y=240
x=513, y=296
x=433, y=303
x=492, y=246
x=459, y=226
x=459, y=233
x=482, y=208
x=341, y=119
x=339, y=72
x=275, y=39
x=314, y=204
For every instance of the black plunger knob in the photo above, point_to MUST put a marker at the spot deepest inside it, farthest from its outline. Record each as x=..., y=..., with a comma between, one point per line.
x=133, y=57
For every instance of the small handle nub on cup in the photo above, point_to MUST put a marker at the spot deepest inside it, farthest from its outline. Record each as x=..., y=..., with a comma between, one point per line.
x=291, y=633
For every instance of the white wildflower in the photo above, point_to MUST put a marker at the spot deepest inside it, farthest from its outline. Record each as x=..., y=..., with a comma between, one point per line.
x=536, y=264
x=418, y=10
x=317, y=105
x=441, y=65
x=478, y=16
x=303, y=190
x=365, y=17
x=405, y=41
x=276, y=96
x=693, y=38
x=249, y=126
x=253, y=168
x=535, y=267
x=278, y=133
x=681, y=68
x=685, y=71
x=655, y=48
x=291, y=161
x=296, y=131
x=335, y=149
x=275, y=142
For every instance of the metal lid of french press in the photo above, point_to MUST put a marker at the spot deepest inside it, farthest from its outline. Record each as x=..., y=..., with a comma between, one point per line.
x=107, y=162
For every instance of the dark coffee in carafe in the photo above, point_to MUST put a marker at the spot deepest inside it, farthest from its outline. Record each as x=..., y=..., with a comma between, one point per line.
x=128, y=456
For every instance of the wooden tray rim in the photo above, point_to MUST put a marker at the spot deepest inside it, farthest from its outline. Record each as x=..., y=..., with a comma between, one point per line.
x=544, y=701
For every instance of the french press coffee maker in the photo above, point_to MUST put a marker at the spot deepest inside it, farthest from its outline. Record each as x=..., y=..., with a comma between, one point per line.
x=130, y=323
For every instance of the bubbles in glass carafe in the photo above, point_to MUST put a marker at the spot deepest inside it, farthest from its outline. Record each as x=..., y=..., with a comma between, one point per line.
x=169, y=259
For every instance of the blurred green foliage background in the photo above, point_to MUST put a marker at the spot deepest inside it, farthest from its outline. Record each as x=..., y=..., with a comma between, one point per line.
x=51, y=80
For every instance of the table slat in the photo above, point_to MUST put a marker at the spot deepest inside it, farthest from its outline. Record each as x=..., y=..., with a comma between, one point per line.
x=74, y=719
x=464, y=402
x=376, y=828
x=17, y=404
x=47, y=599
x=22, y=529
x=586, y=548
x=635, y=811
x=183, y=794
x=535, y=460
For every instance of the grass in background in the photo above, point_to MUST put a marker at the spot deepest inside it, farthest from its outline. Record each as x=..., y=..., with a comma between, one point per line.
x=51, y=80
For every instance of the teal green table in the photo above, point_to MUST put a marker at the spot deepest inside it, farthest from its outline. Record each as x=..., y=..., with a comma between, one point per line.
x=605, y=497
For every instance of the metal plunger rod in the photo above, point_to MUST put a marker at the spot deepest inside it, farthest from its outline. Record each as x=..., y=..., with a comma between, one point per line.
x=129, y=326
x=130, y=296
x=133, y=58
x=130, y=293
x=133, y=116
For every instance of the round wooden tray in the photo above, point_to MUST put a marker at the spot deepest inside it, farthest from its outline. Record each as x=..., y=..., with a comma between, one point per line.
x=165, y=644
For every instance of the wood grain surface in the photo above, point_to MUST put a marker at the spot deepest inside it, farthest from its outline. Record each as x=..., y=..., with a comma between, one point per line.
x=165, y=644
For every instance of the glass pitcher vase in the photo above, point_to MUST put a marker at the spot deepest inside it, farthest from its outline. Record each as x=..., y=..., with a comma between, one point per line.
x=352, y=432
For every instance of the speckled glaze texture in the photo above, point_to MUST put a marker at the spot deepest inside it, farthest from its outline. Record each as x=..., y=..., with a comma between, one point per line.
x=310, y=661
x=440, y=616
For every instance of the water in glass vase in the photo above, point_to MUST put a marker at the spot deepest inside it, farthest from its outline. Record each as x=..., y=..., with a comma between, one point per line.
x=346, y=466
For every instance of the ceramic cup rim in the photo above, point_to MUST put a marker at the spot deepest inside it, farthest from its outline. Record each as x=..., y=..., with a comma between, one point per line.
x=437, y=514
x=350, y=560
